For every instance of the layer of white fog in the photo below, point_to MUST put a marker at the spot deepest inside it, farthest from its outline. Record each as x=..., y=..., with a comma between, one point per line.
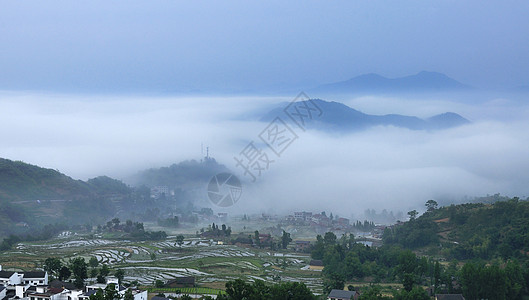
x=383, y=167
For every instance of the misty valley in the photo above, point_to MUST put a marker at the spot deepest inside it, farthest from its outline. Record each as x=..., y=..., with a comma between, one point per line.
x=311, y=198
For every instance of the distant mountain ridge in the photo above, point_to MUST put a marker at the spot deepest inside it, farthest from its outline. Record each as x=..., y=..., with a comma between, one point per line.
x=340, y=117
x=373, y=83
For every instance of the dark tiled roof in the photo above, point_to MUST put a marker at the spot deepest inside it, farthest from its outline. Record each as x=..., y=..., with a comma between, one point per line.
x=449, y=297
x=55, y=290
x=34, y=274
x=62, y=284
x=90, y=293
x=6, y=274
x=159, y=298
x=341, y=294
x=2, y=288
x=316, y=262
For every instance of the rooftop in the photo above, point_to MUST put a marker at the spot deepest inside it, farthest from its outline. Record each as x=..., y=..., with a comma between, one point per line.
x=341, y=294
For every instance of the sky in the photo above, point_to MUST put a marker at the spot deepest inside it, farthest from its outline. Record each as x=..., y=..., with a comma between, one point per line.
x=245, y=47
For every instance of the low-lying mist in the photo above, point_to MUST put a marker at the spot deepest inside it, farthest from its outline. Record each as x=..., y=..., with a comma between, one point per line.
x=381, y=167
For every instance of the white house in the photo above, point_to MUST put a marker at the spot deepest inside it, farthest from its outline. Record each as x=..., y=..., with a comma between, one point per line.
x=35, y=278
x=10, y=278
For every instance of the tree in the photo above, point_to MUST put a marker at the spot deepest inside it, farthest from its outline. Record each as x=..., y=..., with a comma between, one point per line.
x=128, y=295
x=180, y=240
x=319, y=248
x=285, y=239
x=64, y=273
x=257, y=241
x=431, y=205
x=111, y=293
x=99, y=295
x=153, y=256
x=52, y=265
x=291, y=290
x=237, y=290
x=436, y=275
x=417, y=293
x=470, y=281
x=93, y=262
x=329, y=238
x=158, y=283
x=104, y=271
x=120, y=274
x=515, y=280
x=116, y=222
x=94, y=272
x=413, y=214
x=186, y=297
x=333, y=281
x=79, y=269
x=407, y=266
x=100, y=279
x=374, y=292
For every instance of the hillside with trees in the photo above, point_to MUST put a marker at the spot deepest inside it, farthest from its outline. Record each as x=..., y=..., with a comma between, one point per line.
x=31, y=197
x=468, y=231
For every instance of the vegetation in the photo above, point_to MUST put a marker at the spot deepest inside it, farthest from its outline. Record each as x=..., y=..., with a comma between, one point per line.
x=214, y=231
x=132, y=230
x=239, y=290
x=468, y=231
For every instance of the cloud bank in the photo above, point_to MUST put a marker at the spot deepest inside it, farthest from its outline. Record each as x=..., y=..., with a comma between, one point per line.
x=383, y=167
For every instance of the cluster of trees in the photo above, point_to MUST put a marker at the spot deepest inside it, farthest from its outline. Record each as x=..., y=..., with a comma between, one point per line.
x=413, y=234
x=498, y=230
x=77, y=268
x=214, y=231
x=480, y=281
x=46, y=232
x=346, y=260
x=239, y=290
x=101, y=273
x=384, y=216
x=135, y=230
x=169, y=222
x=365, y=226
x=111, y=293
x=270, y=242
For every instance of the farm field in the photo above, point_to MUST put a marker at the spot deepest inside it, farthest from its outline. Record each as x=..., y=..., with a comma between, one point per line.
x=210, y=263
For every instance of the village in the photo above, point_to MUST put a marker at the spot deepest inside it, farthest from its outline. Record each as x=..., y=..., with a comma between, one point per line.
x=188, y=261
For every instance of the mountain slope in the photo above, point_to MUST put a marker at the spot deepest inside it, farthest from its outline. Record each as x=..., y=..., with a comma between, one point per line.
x=468, y=231
x=21, y=181
x=373, y=83
x=340, y=117
x=31, y=196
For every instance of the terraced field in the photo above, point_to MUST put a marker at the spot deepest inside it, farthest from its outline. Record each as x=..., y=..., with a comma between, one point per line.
x=210, y=263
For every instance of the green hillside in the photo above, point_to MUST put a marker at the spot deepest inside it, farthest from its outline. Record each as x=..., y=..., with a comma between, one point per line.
x=467, y=231
x=31, y=196
x=21, y=181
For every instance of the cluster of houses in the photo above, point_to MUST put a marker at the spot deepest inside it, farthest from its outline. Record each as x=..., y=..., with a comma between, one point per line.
x=34, y=285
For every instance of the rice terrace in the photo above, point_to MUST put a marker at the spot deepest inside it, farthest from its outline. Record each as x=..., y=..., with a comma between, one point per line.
x=210, y=262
